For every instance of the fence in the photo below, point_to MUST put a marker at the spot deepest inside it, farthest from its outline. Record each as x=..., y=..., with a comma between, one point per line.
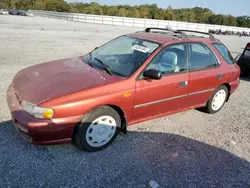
x=134, y=22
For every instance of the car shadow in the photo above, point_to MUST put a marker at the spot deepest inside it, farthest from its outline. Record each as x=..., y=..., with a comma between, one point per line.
x=131, y=161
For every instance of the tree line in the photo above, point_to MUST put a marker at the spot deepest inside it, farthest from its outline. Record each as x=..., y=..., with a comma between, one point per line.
x=195, y=15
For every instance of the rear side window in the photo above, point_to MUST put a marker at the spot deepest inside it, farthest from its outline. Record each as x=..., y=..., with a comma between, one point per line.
x=224, y=52
x=201, y=57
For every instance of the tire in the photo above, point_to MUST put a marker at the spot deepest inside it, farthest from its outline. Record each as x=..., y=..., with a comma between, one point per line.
x=91, y=135
x=217, y=101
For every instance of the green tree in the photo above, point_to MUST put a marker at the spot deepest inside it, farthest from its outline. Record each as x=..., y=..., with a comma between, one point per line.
x=131, y=14
x=39, y=5
x=207, y=15
x=137, y=13
x=143, y=11
x=56, y=5
x=229, y=20
x=243, y=21
x=96, y=8
x=13, y=4
x=216, y=19
x=160, y=14
x=3, y=5
x=232, y=20
x=105, y=9
x=23, y=4
x=122, y=12
x=169, y=14
x=113, y=11
x=152, y=11
x=195, y=15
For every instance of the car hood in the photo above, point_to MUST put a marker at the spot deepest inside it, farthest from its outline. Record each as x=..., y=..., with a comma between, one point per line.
x=45, y=81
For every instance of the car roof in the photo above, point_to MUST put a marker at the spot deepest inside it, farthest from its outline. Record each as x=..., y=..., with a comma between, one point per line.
x=155, y=37
x=161, y=37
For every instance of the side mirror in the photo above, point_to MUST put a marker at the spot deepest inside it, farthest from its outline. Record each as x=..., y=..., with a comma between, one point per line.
x=152, y=74
x=96, y=48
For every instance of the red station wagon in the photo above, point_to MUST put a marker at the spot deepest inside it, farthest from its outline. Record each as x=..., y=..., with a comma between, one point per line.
x=134, y=78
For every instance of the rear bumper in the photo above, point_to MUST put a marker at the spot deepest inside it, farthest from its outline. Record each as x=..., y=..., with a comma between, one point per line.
x=40, y=131
x=234, y=86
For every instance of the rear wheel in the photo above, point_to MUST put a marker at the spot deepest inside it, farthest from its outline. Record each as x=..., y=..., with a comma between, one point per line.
x=98, y=129
x=218, y=99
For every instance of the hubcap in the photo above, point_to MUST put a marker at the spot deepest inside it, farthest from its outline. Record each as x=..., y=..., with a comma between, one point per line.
x=218, y=100
x=101, y=131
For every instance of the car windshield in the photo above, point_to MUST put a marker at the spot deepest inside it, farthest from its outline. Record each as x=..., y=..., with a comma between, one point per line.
x=121, y=56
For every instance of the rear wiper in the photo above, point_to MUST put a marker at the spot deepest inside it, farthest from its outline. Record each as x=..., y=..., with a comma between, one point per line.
x=106, y=66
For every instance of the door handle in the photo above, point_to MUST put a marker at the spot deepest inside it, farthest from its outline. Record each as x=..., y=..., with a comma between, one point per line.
x=219, y=76
x=183, y=84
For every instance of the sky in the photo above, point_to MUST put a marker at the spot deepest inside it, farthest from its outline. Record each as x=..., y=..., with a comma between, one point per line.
x=233, y=7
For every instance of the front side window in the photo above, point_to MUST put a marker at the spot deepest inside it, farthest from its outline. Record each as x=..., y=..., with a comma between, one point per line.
x=201, y=57
x=224, y=52
x=123, y=56
x=172, y=59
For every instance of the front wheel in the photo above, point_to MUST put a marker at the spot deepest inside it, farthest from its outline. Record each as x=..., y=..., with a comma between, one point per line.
x=218, y=99
x=97, y=129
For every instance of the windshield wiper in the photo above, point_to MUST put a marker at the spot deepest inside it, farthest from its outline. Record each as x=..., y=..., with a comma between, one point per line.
x=90, y=59
x=106, y=66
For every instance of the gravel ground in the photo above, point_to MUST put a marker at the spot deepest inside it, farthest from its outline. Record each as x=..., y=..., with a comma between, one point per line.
x=189, y=149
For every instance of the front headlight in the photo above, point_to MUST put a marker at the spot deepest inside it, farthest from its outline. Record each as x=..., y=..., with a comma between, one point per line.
x=38, y=112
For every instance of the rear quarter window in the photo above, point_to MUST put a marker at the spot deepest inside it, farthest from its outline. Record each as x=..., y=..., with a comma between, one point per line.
x=224, y=52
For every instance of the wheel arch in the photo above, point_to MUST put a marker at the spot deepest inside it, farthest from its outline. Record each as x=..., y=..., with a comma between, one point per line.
x=122, y=116
x=117, y=109
x=228, y=89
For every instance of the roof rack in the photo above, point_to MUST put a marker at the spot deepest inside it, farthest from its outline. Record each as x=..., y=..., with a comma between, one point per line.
x=211, y=37
x=182, y=34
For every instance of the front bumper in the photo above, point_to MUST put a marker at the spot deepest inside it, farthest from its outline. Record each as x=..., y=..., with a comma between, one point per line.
x=40, y=131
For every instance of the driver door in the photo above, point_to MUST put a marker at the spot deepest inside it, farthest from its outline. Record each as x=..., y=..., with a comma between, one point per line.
x=169, y=94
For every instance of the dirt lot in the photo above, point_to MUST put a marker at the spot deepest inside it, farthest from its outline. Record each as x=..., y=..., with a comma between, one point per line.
x=189, y=149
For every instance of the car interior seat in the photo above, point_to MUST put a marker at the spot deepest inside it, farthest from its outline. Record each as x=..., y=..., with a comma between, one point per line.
x=168, y=63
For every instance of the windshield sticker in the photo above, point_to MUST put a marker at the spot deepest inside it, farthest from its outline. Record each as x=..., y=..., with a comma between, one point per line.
x=140, y=48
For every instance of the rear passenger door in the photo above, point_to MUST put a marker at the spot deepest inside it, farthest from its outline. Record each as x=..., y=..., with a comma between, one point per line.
x=204, y=73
